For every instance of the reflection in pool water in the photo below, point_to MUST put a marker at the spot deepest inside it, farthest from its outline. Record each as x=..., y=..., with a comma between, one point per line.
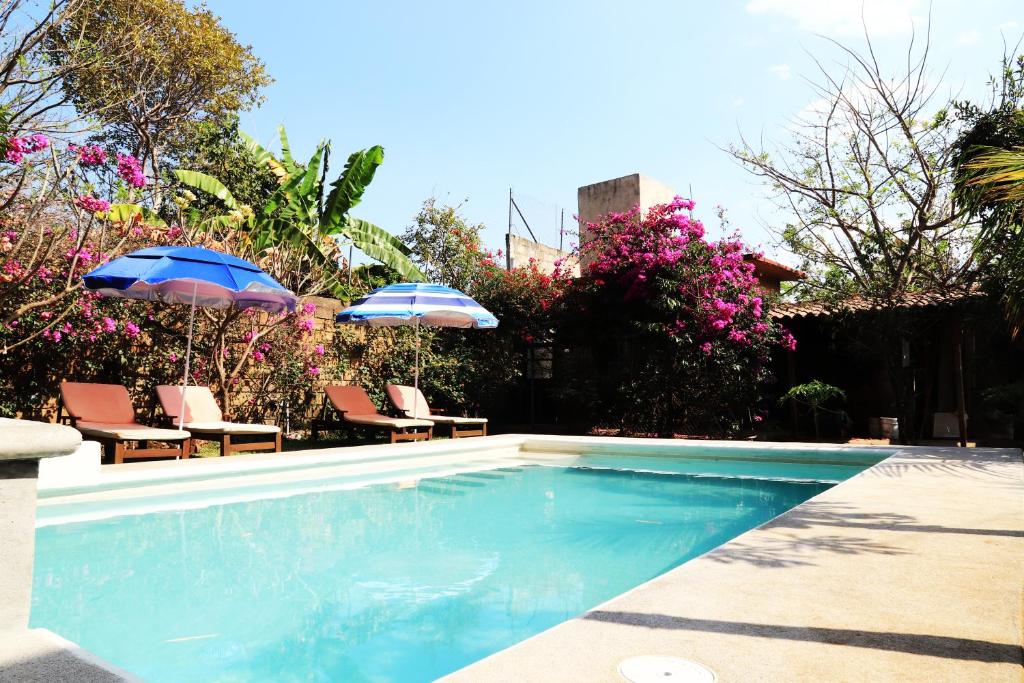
x=390, y=582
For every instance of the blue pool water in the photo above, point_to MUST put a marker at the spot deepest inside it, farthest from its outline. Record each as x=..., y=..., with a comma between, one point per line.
x=388, y=582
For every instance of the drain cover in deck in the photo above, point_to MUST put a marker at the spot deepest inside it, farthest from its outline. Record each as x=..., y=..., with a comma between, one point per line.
x=657, y=669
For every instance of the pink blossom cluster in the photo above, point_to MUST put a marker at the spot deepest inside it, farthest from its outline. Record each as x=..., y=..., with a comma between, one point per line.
x=19, y=146
x=89, y=155
x=129, y=169
x=92, y=204
x=88, y=328
x=82, y=253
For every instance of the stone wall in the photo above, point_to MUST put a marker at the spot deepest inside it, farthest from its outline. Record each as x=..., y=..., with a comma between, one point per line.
x=521, y=250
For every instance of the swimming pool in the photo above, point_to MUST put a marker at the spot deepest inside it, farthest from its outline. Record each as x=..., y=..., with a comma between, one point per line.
x=407, y=580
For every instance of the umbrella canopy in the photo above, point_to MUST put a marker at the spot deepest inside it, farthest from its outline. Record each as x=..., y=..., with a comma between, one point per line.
x=190, y=275
x=415, y=304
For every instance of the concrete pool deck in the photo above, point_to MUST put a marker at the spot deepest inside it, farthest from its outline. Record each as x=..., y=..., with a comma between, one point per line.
x=911, y=570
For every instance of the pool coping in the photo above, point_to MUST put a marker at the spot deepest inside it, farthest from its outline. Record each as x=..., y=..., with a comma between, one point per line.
x=590, y=646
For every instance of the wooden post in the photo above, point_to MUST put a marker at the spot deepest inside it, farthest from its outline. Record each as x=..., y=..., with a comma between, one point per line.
x=791, y=377
x=958, y=378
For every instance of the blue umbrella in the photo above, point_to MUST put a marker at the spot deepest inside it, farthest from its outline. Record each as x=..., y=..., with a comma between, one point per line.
x=416, y=304
x=190, y=275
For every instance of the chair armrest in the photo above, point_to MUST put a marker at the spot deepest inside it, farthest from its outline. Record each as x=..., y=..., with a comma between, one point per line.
x=63, y=419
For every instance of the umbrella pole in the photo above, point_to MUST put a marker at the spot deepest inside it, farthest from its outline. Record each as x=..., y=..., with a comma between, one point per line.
x=416, y=376
x=188, y=356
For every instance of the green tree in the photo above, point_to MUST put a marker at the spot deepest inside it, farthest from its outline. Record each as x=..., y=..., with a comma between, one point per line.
x=990, y=183
x=447, y=249
x=181, y=67
x=217, y=149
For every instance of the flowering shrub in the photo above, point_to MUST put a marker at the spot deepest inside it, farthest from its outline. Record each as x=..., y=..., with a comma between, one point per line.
x=468, y=371
x=51, y=329
x=63, y=333
x=667, y=331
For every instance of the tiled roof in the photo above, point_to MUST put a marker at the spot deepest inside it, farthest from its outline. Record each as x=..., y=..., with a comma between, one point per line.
x=856, y=304
x=774, y=268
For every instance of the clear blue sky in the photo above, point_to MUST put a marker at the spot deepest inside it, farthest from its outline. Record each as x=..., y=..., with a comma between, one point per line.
x=470, y=98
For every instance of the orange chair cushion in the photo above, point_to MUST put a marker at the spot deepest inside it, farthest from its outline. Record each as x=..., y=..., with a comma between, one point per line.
x=200, y=405
x=100, y=403
x=351, y=399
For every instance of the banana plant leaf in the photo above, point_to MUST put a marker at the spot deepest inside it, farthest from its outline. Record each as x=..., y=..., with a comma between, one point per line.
x=208, y=184
x=381, y=245
x=263, y=156
x=348, y=189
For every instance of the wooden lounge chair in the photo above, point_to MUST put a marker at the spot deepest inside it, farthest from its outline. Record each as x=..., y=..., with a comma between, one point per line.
x=355, y=408
x=104, y=413
x=403, y=399
x=203, y=417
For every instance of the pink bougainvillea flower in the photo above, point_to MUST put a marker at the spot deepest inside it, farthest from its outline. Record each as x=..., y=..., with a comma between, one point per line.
x=89, y=155
x=92, y=204
x=313, y=371
x=309, y=308
x=18, y=147
x=319, y=349
x=788, y=341
x=131, y=329
x=129, y=169
x=109, y=325
x=258, y=356
x=306, y=324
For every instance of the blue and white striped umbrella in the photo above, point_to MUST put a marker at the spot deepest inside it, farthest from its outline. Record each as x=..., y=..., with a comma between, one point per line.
x=415, y=303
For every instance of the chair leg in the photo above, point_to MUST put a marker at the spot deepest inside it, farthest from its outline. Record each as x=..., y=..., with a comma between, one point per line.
x=225, y=445
x=119, y=452
x=186, y=449
x=394, y=436
x=484, y=429
x=430, y=433
x=277, y=442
